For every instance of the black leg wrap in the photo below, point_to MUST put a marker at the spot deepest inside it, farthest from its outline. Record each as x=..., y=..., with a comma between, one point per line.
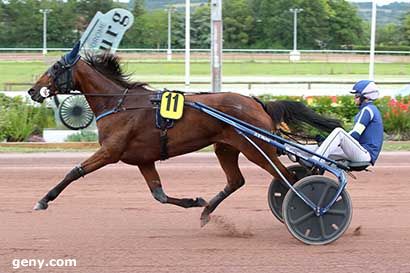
x=81, y=171
x=218, y=199
x=73, y=175
x=159, y=195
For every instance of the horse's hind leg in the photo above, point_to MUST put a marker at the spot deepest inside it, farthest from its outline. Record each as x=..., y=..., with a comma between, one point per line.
x=154, y=183
x=228, y=158
x=99, y=159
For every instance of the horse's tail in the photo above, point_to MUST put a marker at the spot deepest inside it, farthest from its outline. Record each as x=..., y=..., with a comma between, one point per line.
x=295, y=113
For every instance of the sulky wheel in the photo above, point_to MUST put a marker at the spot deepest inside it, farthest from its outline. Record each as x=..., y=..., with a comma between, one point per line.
x=75, y=113
x=301, y=220
x=278, y=189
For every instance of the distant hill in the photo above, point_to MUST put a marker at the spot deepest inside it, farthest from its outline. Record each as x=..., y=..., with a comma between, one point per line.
x=390, y=13
x=160, y=4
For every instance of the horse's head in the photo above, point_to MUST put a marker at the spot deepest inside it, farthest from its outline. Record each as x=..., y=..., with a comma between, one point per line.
x=58, y=79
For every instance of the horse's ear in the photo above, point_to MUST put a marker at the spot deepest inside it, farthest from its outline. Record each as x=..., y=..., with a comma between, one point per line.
x=72, y=57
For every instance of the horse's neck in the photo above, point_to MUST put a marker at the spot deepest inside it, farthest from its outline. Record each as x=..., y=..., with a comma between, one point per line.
x=90, y=81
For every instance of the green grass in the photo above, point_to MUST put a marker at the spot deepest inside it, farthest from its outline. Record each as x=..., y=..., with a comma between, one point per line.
x=19, y=72
x=396, y=146
x=28, y=71
x=267, y=69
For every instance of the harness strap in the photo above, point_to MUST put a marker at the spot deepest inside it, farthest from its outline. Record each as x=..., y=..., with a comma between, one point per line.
x=163, y=144
x=163, y=126
x=121, y=101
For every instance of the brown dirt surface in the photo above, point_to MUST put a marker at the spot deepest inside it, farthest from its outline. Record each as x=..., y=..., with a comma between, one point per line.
x=109, y=222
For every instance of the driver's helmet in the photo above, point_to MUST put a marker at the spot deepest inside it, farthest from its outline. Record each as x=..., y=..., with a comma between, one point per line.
x=366, y=89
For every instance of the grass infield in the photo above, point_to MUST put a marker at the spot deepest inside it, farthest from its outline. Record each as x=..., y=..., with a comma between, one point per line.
x=18, y=72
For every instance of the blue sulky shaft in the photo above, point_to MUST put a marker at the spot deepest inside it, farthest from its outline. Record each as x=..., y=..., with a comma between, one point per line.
x=245, y=129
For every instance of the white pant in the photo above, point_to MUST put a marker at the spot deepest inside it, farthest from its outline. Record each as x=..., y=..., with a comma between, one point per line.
x=341, y=145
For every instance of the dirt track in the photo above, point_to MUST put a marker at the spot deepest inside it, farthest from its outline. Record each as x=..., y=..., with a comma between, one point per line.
x=109, y=222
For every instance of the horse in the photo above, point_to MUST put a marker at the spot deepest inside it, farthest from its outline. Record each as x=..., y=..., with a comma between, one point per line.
x=127, y=132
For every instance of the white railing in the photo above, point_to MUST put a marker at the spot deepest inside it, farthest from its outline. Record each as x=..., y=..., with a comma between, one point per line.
x=227, y=50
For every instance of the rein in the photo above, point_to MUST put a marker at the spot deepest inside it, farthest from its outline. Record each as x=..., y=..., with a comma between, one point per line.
x=99, y=95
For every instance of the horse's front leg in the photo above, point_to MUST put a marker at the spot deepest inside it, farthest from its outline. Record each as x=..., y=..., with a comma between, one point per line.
x=154, y=183
x=99, y=159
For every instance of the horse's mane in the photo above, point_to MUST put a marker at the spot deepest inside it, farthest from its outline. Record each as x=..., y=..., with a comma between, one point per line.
x=109, y=65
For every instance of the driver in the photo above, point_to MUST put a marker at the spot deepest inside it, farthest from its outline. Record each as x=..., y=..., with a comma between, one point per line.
x=365, y=140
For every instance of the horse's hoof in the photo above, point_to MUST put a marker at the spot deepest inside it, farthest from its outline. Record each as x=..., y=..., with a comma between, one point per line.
x=41, y=205
x=205, y=220
x=201, y=202
x=205, y=217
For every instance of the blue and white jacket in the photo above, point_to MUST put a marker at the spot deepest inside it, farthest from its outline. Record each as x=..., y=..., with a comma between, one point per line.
x=368, y=129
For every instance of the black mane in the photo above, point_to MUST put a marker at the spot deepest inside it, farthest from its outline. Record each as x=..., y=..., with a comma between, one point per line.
x=109, y=65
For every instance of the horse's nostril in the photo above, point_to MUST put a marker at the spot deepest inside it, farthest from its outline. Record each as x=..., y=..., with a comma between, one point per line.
x=30, y=91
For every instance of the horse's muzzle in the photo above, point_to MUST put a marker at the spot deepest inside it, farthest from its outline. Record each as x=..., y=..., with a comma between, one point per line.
x=35, y=95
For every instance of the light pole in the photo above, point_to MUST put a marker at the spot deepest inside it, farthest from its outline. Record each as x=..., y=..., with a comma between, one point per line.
x=372, y=41
x=169, y=51
x=216, y=45
x=295, y=55
x=187, y=43
x=45, y=11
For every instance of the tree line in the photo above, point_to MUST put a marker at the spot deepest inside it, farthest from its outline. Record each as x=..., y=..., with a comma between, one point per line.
x=323, y=24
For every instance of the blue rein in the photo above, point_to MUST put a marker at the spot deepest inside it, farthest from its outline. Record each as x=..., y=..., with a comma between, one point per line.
x=103, y=115
x=116, y=109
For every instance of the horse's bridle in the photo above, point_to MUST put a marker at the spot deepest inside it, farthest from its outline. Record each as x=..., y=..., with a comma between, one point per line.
x=61, y=74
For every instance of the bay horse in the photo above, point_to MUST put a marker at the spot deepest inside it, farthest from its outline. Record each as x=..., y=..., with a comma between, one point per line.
x=127, y=131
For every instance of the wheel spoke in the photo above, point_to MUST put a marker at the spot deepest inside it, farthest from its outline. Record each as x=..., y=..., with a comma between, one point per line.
x=302, y=218
x=323, y=196
x=337, y=211
x=322, y=227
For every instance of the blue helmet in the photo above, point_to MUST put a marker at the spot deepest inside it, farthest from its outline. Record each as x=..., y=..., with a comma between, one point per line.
x=366, y=89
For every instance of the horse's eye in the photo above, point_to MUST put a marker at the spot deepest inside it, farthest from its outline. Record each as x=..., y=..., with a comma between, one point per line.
x=55, y=66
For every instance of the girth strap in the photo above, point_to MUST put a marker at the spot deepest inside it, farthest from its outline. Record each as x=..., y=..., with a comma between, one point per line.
x=163, y=124
x=163, y=144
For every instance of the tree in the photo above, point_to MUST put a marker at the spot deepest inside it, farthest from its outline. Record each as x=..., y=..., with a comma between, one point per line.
x=22, y=23
x=178, y=30
x=405, y=28
x=134, y=37
x=155, y=29
x=389, y=35
x=88, y=8
x=62, y=25
x=345, y=26
x=201, y=27
x=313, y=24
x=322, y=23
x=237, y=23
x=138, y=9
x=277, y=22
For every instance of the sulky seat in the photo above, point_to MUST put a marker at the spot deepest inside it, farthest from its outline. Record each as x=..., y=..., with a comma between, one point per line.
x=357, y=166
